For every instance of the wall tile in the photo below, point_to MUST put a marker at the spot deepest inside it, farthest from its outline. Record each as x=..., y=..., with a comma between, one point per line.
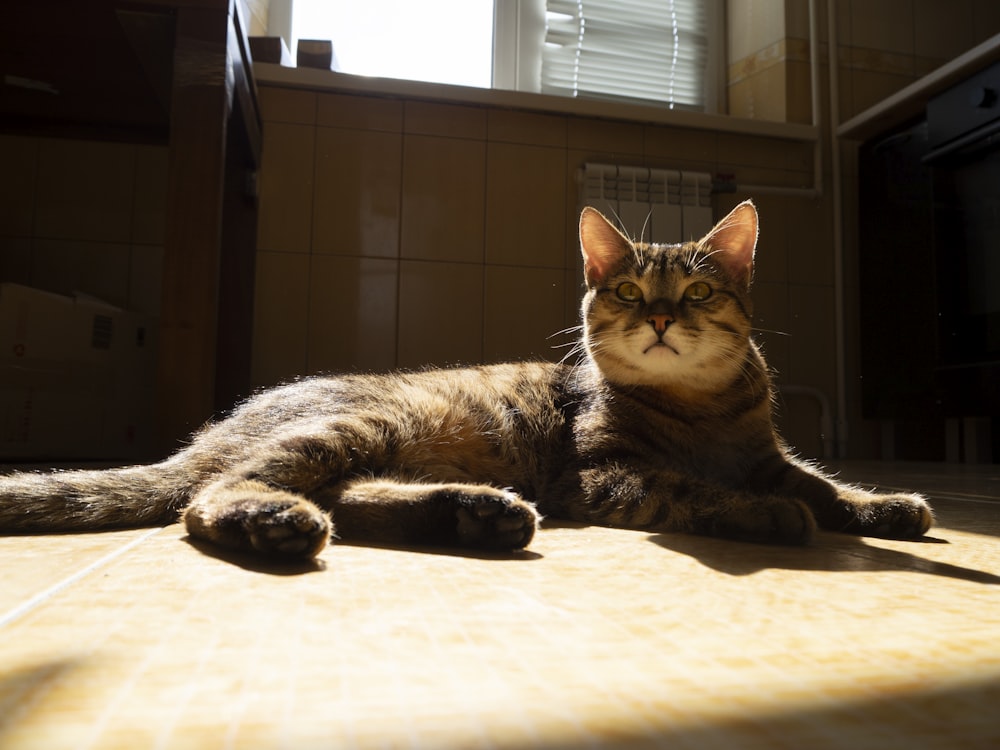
x=575, y=288
x=884, y=25
x=145, y=280
x=352, y=314
x=19, y=167
x=453, y=120
x=100, y=269
x=679, y=145
x=357, y=197
x=771, y=260
x=15, y=259
x=771, y=321
x=751, y=26
x=761, y=96
x=871, y=88
x=986, y=19
x=811, y=337
x=880, y=61
x=279, y=104
x=525, y=205
x=286, y=188
x=362, y=112
x=149, y=215
x=530, y=128
x=444, y=192
x=524, y=308
x=281, y=317
x=619, y=138
x=797, y=19
x=84, y=190
x=440, y=313
x=810, y=249
x=750, y=151
x=943, y=30
x=798, y=91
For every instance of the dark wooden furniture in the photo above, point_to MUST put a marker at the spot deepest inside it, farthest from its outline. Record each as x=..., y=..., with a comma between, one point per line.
x=163, y=71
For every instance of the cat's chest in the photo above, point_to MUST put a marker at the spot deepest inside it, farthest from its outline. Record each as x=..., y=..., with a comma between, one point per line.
x=721, y=447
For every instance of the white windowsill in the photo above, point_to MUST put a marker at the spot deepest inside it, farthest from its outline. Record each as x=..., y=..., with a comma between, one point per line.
x=325, y=80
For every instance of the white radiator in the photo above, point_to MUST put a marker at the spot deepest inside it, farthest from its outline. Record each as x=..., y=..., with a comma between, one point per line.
x=653, y=205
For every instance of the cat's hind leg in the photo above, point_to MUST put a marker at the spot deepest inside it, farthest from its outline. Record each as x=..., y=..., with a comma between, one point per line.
x=450, y=514
x=250, y=516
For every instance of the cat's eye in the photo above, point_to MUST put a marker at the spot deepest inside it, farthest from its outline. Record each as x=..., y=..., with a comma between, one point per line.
x=629, y=292
x=698, y=292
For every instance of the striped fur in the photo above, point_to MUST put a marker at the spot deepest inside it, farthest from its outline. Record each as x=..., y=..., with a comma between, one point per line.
x=664, y=424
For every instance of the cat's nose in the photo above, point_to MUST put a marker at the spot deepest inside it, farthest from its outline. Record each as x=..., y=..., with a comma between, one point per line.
x=659, y=322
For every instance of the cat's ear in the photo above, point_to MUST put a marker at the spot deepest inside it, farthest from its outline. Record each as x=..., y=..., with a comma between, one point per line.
x=602, y=245
x=734, y=240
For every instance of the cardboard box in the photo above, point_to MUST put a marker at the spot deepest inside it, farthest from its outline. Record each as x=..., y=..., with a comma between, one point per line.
x=76, y=377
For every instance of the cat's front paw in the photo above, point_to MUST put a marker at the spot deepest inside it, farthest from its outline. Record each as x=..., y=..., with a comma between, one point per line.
x=769, y=520
x=495, y=520
x=897, y=516
x=294, y=528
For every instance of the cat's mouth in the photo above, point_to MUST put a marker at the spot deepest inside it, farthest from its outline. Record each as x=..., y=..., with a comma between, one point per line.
x=659, y=346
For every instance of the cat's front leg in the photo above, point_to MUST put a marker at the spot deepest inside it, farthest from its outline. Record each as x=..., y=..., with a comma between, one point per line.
x=449, y=514
x=850, y=509
x=657, y=499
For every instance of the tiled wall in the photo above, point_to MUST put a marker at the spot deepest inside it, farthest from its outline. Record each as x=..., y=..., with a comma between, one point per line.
x=399, y=233
x=883, y=45
x=403, y=233
x=82, y=216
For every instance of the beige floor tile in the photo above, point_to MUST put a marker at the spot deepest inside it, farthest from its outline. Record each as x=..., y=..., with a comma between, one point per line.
x=36, y=568
x=595, y=637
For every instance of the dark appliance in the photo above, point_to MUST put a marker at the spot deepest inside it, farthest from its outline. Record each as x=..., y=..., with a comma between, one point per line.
x=929, y=266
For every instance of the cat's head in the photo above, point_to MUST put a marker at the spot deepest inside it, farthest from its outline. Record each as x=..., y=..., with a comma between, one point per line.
x=669, y=315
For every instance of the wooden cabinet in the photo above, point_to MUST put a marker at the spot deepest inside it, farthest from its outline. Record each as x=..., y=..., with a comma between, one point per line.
x=174, y=72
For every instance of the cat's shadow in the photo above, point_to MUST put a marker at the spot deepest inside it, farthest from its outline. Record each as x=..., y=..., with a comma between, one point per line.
x=262, y=564
x=828, y=551
x=256, y=563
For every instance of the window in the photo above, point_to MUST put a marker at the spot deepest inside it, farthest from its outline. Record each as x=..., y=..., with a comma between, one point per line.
x=662, y=51
x=444, y=41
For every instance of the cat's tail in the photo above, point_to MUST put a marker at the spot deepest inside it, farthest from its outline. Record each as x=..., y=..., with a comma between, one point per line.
x=82, y=500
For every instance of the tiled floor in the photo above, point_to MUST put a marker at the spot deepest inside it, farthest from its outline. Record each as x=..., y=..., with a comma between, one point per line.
x=596, y=637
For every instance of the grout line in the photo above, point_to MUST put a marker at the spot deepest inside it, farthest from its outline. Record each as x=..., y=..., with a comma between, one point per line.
x=43, y=596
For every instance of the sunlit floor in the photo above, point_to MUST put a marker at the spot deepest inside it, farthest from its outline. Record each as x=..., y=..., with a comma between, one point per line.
x=593, y=638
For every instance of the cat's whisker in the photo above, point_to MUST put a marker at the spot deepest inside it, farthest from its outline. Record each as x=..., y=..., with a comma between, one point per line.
x=645, y=225
x=566, y=331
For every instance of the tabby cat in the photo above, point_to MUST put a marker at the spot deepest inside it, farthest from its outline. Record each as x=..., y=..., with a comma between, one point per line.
x=664, y=424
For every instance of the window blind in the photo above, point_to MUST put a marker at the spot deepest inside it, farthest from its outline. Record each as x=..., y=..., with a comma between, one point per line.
x=627, y=49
